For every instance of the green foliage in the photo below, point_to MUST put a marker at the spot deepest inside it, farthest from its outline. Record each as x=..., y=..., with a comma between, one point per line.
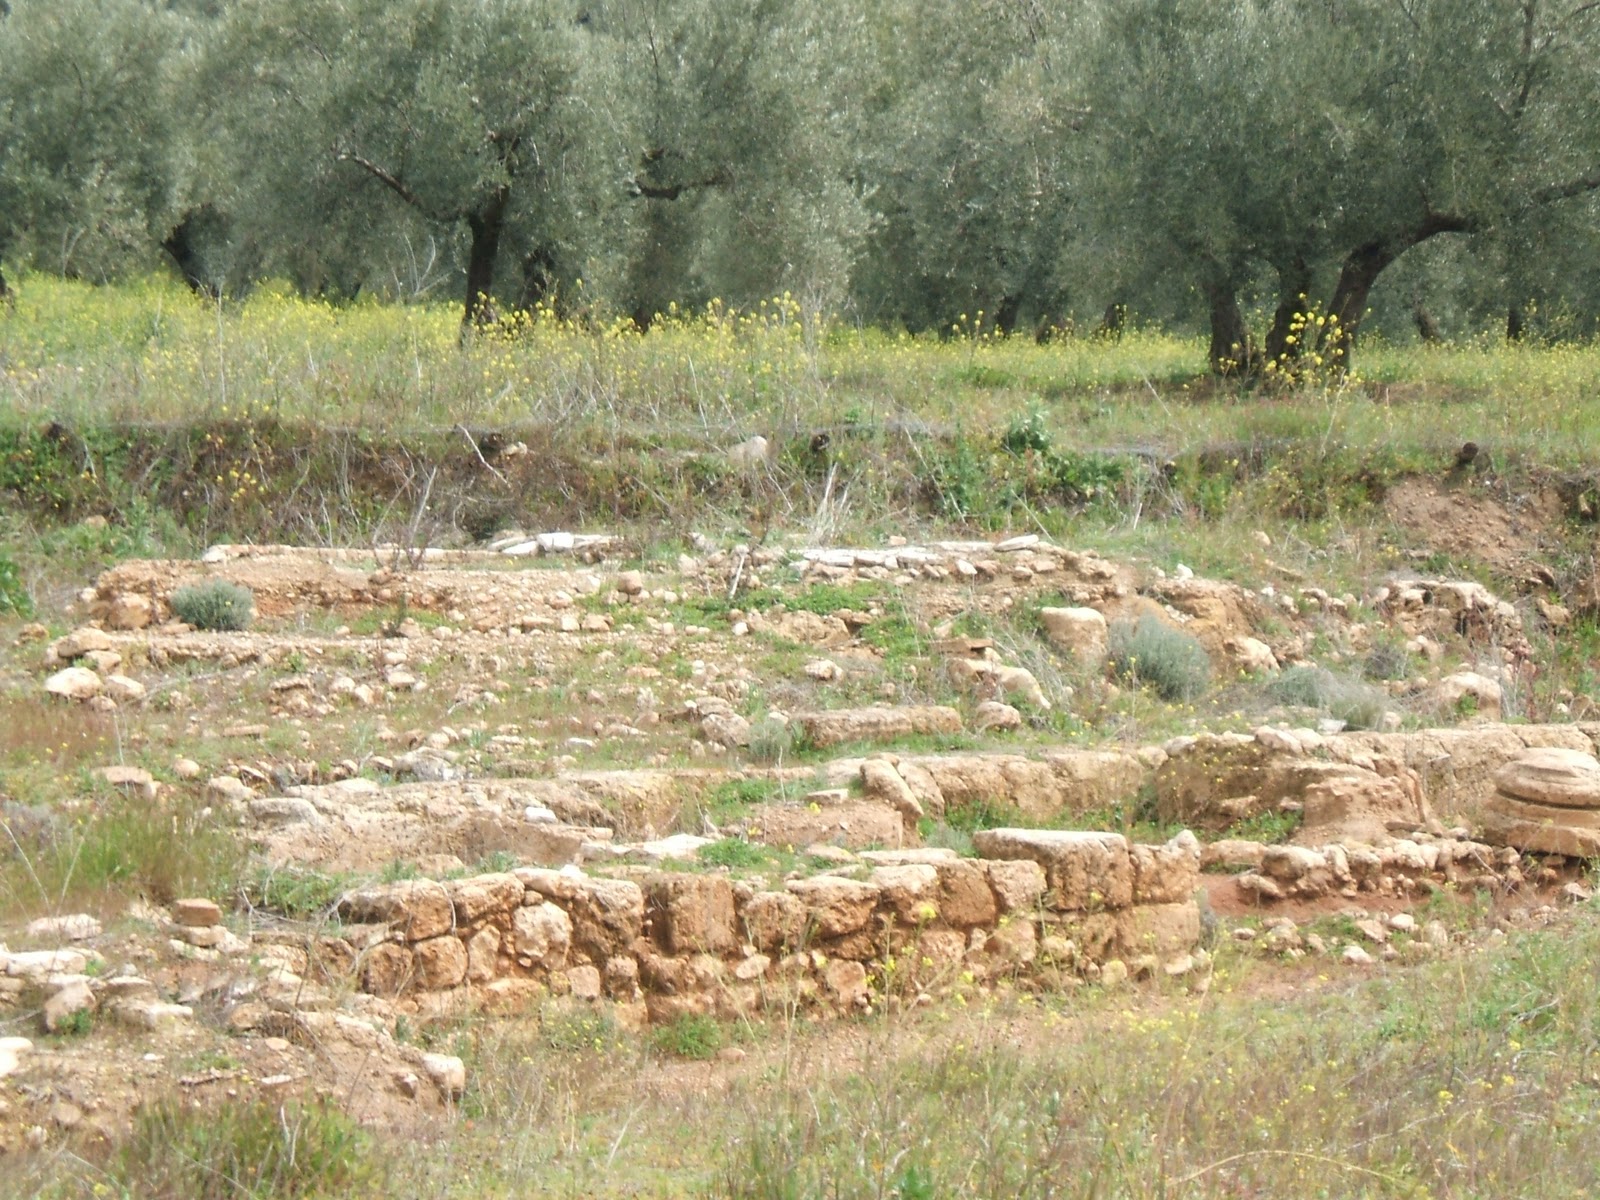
x=1388, y=658
x=293, y=1151
x=1358, y=704
x=735, y=853
x=123, y=846
x=77, y=1023
x=1269, y=828
x=1153, y=654
x=693, y=1036
x=304, y=894
x=574, y=1029
x=213, y=605
x=985, y=813
x=14, y=598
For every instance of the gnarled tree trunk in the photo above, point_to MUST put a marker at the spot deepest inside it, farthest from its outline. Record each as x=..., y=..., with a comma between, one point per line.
x=1232, y=351
x=1294, y=287
x=486, y=226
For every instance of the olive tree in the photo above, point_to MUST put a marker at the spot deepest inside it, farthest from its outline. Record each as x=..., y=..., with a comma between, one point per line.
x=1318, y=143
x=737, y=119
x=90, y=146
x=413, y=117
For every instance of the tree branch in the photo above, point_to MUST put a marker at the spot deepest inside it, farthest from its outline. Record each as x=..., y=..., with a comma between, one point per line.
x=393, y=183
x=1569, y=189
x=651, y=191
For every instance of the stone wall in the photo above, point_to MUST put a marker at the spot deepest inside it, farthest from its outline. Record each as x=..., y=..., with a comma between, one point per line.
x=1042, y=909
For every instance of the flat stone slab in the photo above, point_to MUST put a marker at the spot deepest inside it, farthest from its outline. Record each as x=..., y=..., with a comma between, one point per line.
x=1552, y=776
x=834, y=727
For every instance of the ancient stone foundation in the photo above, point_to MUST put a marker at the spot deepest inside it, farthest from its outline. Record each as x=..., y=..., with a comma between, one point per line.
x=1042, y=909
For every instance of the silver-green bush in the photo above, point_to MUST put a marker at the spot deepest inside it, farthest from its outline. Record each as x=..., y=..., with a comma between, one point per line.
x=215, y=604
x=1160, y=656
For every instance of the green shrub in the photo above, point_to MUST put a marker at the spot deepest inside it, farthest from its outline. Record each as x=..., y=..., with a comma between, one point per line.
x=215, y=605
x=735, y=853
x=292, y=1151
x=1359, y=705
x=1388, y=659
x=14, y=598
x=1154, y=654
x=693, y=1035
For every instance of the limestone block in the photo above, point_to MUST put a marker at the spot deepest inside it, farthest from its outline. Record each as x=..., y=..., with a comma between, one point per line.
x=481, y=896
x=909, y=891
x=416, y=908
x=1165, y=930
x=483, y=952
x=1018, y=884
x=965, y=898
x=693, y=913
x=441, y=962
x=73, y=683
x=1084, y=870
x=1080, y=632
x=196, y=912
x=837, y=726
x=1555, y=777
x=1166, y=874
x=542, y=934
x=774, y=921
x=835, y=906
x=607, y=917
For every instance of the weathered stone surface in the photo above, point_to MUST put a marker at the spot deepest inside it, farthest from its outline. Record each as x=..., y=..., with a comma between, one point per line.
x=1543, y=829
x=416, y=908
x=838, y=726
x=73, y=683
x=124, y=689
x=847, y=984
x=272, y=811
x=774, y=921
x=65, y=1003
x=607, y=917
x=965, y=898
x=1019, y=683
x=692, y=913
x=196, y=912
x=542, y=934
x=12, y=1050
x=441, y=962
x=1080, y=632
x=79, y=642
x=74, y=927
x=126, y=610
x=1358, y=806
x=1167, y=874
x=909, y=891
x=1018, y=884
x=388, y=970
x=835, y=906
x=1164, y=930
x=447, y=1073
x=1469, y=688
x=483, y=952
x=992, y=715
x=1042, y=789
x=881, y=779
x=1084, y=870
x=474, y=899
x=1555, y=777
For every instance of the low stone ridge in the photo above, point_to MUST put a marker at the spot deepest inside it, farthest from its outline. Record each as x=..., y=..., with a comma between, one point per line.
x=1548, y=801
x=837, y=726
x=1047, y=907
